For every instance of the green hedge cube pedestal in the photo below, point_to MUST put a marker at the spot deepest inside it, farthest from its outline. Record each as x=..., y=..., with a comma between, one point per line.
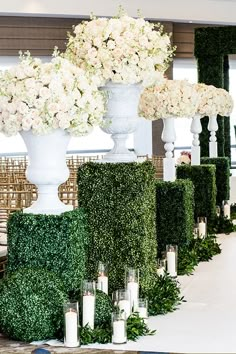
x=57, y=243
x=175, y=213
x=204, y=181
x=119, y=200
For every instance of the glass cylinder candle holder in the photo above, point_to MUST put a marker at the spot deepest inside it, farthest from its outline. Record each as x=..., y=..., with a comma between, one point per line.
x=171, y=256
x=218, y=211
x=195, y=231
x=161, y=267
x=143, y=309
x=202, y=226
x=71, y=324
x=226, y=209
x=132, y=285
x=119, y=333
x=123, y=301
x=88, y=300
x=102, y=281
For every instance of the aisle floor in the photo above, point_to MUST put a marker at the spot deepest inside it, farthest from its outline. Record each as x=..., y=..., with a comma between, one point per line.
x=206, y=322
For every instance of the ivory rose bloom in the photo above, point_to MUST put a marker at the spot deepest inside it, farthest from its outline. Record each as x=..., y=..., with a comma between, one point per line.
x=113, y=48
x=45, y=96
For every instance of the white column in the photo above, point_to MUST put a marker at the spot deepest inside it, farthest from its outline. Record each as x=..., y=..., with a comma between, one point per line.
x=213, y=127
x=196, y=129
x=168, y=137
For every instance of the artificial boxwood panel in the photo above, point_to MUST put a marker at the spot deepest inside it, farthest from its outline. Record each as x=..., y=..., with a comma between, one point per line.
x=204, y=181
x=222, y=176
x=212, y=46
x=57, y=243
x=175, y=213
x=120, y=203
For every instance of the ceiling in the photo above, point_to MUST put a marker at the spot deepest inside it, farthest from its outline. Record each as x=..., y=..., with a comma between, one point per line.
x=200, y=11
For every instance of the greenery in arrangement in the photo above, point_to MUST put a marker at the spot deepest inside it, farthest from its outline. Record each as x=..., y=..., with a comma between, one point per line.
x=136, y=327
x=174, y=213
x=204, y=181
x=31, y=305
x=233, y=211
x=57, y=243
x=222, y=225
x=212, y=46
x=164, y=296
x=119, y=200
x=222, y=176
x=199, y=250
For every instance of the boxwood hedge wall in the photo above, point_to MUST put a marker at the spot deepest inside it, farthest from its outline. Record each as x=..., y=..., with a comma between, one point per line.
x=175, y=213
x=212, y=46
x=222, y=176
x=57, y=243
x=204, y=181
x=120, y=202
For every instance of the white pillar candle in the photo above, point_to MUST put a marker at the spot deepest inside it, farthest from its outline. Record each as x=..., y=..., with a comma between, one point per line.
x=161, y=271
x=171, y=263
x=227, y=211
x=71, y=333
x=88, y=310
x=202, y=229
x=125, y=306
x=133, y=293
x=143, y=313
x=119, y=332
x=103, y=283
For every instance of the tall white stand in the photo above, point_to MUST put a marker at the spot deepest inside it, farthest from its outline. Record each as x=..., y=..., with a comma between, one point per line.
x=168, y=137
x=196, y=129
x=213, y=127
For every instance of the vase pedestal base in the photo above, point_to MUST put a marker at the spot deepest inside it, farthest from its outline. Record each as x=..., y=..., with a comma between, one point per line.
x=32, y=210
x=116, y=158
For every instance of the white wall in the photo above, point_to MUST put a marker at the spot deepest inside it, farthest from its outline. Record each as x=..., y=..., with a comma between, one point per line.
x=209, y=11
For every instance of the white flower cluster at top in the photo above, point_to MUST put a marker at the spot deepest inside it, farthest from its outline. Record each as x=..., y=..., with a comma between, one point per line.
x=46, y=96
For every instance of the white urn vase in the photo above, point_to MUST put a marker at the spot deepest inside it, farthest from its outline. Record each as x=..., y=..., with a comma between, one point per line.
x=168, y=137
x=121, y=119
x=47, y=169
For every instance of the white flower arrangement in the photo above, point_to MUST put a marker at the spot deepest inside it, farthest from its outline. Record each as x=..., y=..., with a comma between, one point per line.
x=46, y=96
x=173, y=98
x=213, y=101
x=124, y=49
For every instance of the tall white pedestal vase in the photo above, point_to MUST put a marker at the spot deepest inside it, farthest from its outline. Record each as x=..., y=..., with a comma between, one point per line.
x=47, y=169
x=196, y=129
x=168, y=137
x=121, y=119
x=213, y=127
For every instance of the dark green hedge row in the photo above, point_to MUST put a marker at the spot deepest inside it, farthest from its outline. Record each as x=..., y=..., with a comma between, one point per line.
x=212, y=46
x=222, y=176
x=57, y=243
x=175, y=213
x=120, y=204
x=204, y=181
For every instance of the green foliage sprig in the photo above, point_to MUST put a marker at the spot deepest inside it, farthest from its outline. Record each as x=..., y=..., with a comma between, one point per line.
x=136, y=327
x=222, y=225
x=200, y=250
x=164, y=296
